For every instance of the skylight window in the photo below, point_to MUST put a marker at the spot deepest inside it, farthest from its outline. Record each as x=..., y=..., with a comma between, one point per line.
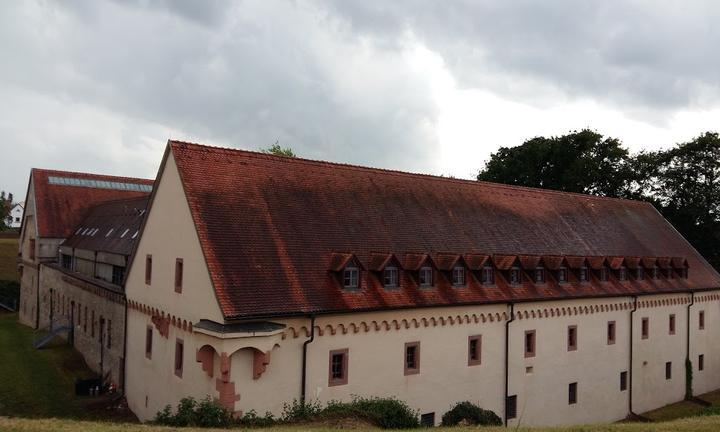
x=124, y=233
x=136, y=234
x=78, y=231
x=109, y=232
x=99, y=184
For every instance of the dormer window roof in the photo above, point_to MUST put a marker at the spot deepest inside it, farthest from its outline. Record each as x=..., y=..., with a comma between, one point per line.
x=348, y=269
x=421, y=267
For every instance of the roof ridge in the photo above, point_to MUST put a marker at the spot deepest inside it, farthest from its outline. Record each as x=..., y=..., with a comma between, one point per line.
x=61, y=172
x=319, y=162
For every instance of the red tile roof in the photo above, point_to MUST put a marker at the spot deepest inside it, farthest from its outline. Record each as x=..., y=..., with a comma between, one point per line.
x=271, y=227
x=60, y=207
x=110, y=227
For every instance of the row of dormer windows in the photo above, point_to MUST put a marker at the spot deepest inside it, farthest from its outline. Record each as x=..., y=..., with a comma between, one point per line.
x=457, y=276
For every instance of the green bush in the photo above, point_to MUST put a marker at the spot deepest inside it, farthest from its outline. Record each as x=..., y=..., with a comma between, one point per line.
x=387, y=413
x=251, y=419
x=206, y=413
x=470, y=413
x=710, y=411
x=300, y=411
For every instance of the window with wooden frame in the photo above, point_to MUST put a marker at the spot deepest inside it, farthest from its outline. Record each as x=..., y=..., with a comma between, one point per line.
x=611, y=332
x=529, y=343
x=148, y=342
x=623, y=381
x=412, y=358
x=572, y=338
x=351, y=276
x=701, y=320
x=85, y=320
x=179, y=348
x=671, y=324
x=645, y=328
x=108, y=339
x=572, y=393
x=655, y=273
x=515, y=276
x=583, y=274
x=487, y=276
x=701, y=362
x=622, y=273
x=92, y=324
x=458, y=276
x=539, y=275
x=603, y=274
x=178, y=275
x=668, y=370
x=640, y=273
x=425, y=276
x=148, y=269
x=474, y=350
x=391, y=278
x=562, y=275
x=338, y=367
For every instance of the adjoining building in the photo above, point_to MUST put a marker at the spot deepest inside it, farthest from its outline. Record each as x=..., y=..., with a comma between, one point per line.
x=260, y=279
x=76, y=238
x=15, y=216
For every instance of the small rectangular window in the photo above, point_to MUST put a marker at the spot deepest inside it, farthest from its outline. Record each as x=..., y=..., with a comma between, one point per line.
x=474, y=350
x=412, y=358
x=572, y=338
x=148, y=269
x=603, y=274
x=32, y=249
x=562, y=275
x=583, y=274
x=390, y=277
x=572, y=393
x=178, y=275
x=511, y=407
x=645, y=328
x=622, y=273
x=488, y=276
x=426, y=276
x=668, y=370
x=148, y=342
x=530, y=343
x=611, y=332
x=338, y=367
x=179, y=357
x=701, y=320
x=351, y=276
x=458, y=276
x=92, y=324
x=515, y=278
x=701, y=362
x=671, y=324
x=85, y=320
x=540, y=275
x=623, y=381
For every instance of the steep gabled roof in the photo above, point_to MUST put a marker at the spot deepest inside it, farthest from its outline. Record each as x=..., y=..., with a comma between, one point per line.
x=269, y=227
x=62, y=198
x=110, y=227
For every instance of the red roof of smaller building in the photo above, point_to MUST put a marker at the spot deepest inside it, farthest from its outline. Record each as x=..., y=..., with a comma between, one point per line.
x=62, y=198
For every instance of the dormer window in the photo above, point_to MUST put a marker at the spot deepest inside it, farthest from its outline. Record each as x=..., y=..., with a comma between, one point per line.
x=655, y=273
x=390, y=277
x=425, y=276
x=487, y=276
x=583, y=274
x=640, y=273
x=684, y=273
x=622, y=273
x=515, y=276
x=539, y=275
x=458, y=276
x=603, y=274
x=351, y=276
x=562, y=275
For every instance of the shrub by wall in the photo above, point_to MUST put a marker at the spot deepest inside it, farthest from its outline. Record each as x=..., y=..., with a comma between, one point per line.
x=470, y=413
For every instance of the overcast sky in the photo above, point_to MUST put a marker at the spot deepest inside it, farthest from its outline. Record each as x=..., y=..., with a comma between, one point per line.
x=431, y=87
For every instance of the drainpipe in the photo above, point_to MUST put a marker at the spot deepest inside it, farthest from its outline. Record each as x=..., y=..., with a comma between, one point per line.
x=125, y=368
x=37, y=297
x=507, y=349
x=304, y=359
x=630, y=371
x=688, y=383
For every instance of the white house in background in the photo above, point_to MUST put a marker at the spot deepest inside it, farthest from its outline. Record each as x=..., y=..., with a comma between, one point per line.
x=14, y=219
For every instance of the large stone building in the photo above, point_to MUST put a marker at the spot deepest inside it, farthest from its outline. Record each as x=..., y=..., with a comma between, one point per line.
x=76, y=238
x=260, y=279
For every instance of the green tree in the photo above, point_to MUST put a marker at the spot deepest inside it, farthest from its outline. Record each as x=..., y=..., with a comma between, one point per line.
x=276, y=150
x=5, y=207
x=684, y=184
x=580, y=161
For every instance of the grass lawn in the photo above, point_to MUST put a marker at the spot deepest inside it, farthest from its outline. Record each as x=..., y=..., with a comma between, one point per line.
x=8, y=255
x=683, y=409
x=696, y=424
x=38, y=383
